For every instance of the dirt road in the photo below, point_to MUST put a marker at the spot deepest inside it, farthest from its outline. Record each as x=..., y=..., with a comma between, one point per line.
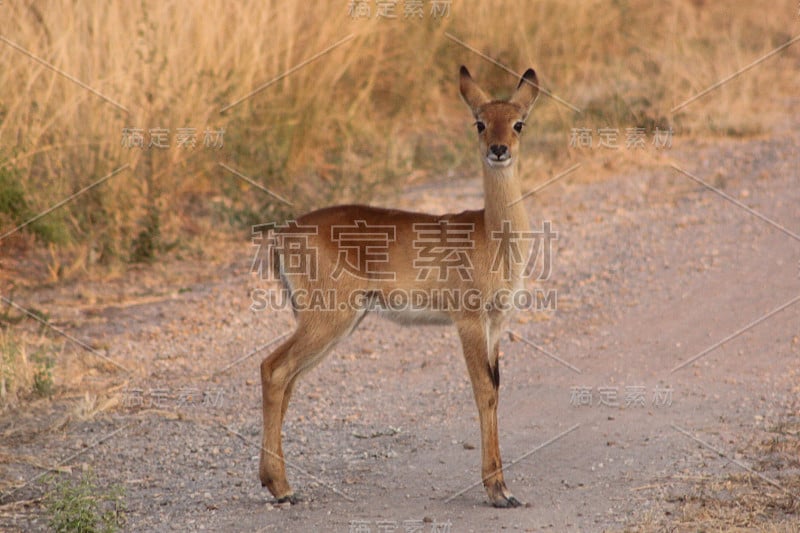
x=615, y=408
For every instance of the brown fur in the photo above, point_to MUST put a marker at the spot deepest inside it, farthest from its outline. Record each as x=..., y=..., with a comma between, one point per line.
x=479, y=328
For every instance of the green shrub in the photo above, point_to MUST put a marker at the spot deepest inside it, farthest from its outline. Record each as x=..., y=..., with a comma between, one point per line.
x=14, y=205
x=81, y=505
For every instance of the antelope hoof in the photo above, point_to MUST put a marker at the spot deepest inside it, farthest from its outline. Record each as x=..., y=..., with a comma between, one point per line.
x=291, y=498
x=282, y=491
x=501, y=497
x=505, y=502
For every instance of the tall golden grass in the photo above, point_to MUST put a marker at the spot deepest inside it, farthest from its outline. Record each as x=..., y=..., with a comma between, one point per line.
x=373, y=114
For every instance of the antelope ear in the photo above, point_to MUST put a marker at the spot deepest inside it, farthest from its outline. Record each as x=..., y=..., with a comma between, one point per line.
x=473, y=95
x=527, y=91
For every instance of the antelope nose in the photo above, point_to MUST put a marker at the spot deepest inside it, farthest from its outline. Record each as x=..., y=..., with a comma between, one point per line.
x=500, y=151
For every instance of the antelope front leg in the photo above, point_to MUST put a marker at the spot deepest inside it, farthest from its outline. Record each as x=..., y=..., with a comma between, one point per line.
x=485, y=377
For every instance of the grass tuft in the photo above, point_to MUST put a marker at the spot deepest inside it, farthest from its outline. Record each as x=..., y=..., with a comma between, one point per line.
x=82, y=505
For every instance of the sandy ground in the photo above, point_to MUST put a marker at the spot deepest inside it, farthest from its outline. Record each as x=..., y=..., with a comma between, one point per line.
x=597, y=431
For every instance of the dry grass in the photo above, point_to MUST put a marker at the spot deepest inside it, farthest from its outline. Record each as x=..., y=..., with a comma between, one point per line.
x=740, y=501
x=36, y=363
x=374, y=114
x=16, y=370
x=25, y=367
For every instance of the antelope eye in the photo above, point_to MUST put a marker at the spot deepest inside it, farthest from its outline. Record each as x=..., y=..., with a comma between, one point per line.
x=518, y=126
x=481, y=126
